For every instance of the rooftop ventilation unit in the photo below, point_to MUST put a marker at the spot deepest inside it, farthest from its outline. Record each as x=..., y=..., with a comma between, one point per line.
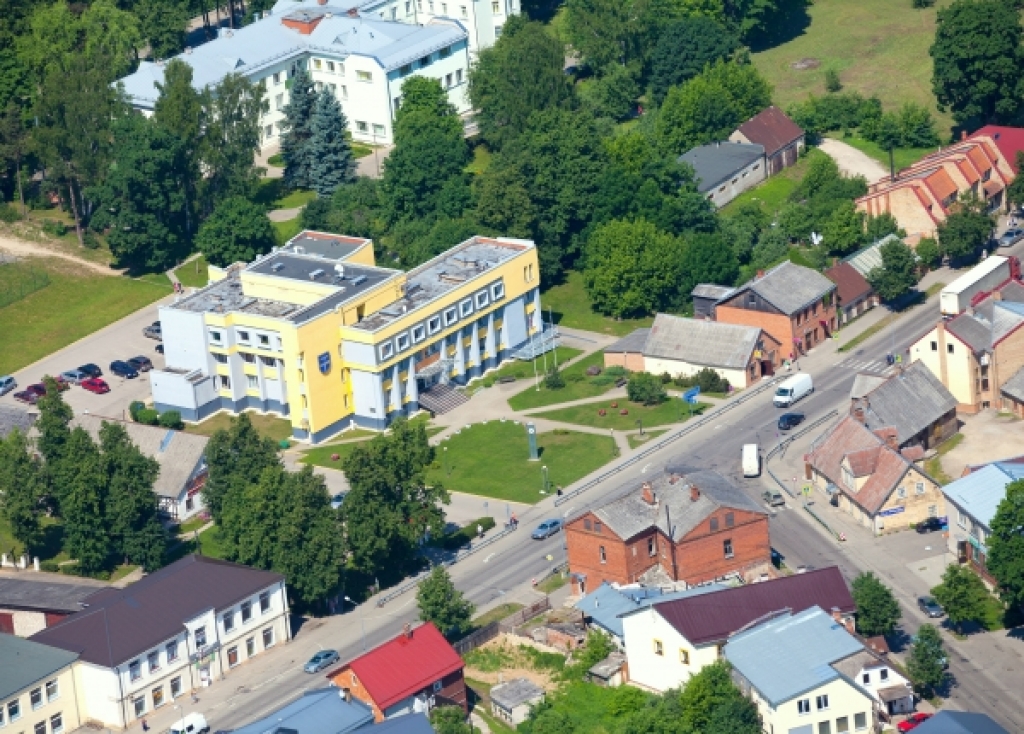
x=316, y=274
x=359, y=279
x=277, y=266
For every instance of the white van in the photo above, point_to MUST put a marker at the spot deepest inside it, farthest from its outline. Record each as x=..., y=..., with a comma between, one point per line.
x=190, y=724
x=751, y=460
x=792, y=389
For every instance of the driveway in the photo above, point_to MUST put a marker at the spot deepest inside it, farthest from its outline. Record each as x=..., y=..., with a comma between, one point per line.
x=851, y=161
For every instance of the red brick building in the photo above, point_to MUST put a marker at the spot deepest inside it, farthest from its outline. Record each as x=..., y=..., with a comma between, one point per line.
x=412, y=672
x=692, y=528
x=794, y=304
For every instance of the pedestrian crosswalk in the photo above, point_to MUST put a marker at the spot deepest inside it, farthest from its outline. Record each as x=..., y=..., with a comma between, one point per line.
x=875, y=366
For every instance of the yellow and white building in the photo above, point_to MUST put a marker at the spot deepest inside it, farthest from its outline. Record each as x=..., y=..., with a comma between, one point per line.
x=315, y=331
x=38, y=694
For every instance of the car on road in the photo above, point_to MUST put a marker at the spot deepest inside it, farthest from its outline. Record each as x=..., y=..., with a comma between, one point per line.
x=930, y=607
x=91, y=370
x=96, y=385
x=913, y=721
x=790, y=420
x=1010, y=237
x=929, y=525
x=74, y=377
x=38, y=388
x=153, y=331
x=7, y=383
x=546, y=529
x=773, y=498
x=123, y=369
x=321, y=660
x=140, y=363
x=27, y=396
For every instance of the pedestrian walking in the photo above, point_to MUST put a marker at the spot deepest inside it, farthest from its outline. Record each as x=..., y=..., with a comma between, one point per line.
x=145, y=725
x=480, y=530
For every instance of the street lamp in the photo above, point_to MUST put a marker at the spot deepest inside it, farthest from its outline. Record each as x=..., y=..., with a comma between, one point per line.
x=640, y=423
x=362, y=622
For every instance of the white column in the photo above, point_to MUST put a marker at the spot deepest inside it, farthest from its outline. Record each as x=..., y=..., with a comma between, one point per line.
x=411, y=390
x=460, y=355
x=489, y=340
x=504, y=327
x=538, y=318
x=396, y=387
x=474, y=344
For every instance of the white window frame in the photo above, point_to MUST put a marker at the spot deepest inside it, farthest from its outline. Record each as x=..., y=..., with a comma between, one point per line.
x=216, y=336
x=264, y=602
x=419, y=333
x=497, y=291
x=35, y=698
x=52, y=695
x=243, y=336
x=466, y=307
x=451, y=316
x=135, y=670
x=364, y=76
x=434, y=324
x=246, y=611
x=153, y=661
x=386, y=351
x=252, y=382
x=402, y=342
x=268, y=632
x=482, y=299
x=175, y=684
x=821, y=702
x=57, y=723
x=803, y=706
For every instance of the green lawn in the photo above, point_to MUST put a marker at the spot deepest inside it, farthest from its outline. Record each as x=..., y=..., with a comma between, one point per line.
x=497, y=614
x=492, y=460
x=159, y=279
x=273, y=194
x=361, y=151
x=194, y=274
x=74, y=304
x=575, y=388
x=284, y=231
x=774, y=192
x=902, y=157
x=524, y=370
x=879, y=47
x=481, y=160
x=321, y=455
x=570, y=306
x=276, y=160
x=672, y=410
x=277, y=429
x=635, y=440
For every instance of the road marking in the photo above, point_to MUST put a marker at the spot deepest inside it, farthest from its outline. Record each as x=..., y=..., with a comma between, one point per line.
x=646, y=467
x=490, y=557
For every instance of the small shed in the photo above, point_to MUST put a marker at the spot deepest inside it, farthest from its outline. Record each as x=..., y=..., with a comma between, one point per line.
x=610, y=672
x=511, y=702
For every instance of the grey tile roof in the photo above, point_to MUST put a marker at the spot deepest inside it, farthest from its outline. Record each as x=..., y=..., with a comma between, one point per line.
x=12, y=417
x=632, y=343
x=26, y=662
x=516, y=692
x=39, y=593
x=791, y=655
x=630, y=515
x=863, y=383
x=317, y=712
x=177, y=452
x=790, y=287
x=710, y=290
x=868, y=258
x=959, y=722
x=909, y=402
x=701, y=342
x=990, y=322
x=1014, y=387
x=717, y=162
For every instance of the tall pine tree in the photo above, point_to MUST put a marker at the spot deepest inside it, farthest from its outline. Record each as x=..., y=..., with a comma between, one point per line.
x=83, y=504
x=330, y=155
x=295, y=149
x=21, y=489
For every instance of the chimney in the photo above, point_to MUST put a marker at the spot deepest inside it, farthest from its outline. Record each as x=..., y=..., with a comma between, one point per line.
x=353, y=13
x=321, y=2
x=963, y=135
x=997, y=295
x=858, y=411
x=673, y=479
x=694, y=493
x=760, y=274
x=346, y=694
x=892, y=440
x=847, y=622
x=648, y=493
x=407, y=631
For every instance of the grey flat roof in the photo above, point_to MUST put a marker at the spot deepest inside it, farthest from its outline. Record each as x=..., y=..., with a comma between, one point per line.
x=26, y=662
x=324, y=244
x=40, y=594
x=716, y=162
x=516, y=692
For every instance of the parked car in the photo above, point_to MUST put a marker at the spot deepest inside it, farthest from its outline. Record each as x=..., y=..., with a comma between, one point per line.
x=123, y=369
x=790, y=420
x=159, y=348
x=913, y=721
x=930, y=607
x=546, y=529
x=140, y=363
x=7, y=383
x=930, y=525
x=74, y=377
x=773, y=498
x=91, y=370
x=153, y=331
x=27, y=396
x=1010, y=237
x=321, y=660
x=96, y=385
x=39, y=389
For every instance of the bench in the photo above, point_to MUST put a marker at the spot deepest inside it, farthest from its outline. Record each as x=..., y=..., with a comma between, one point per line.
x=506, y=379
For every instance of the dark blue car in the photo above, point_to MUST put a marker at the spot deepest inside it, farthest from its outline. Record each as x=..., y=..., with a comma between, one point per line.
x=123, y=369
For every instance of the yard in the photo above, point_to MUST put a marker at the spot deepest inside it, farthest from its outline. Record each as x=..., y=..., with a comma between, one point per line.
x=270, y=426
x=492, y=460
x=901, y=157
x=273, y=194
x=284, y=231
x=774, y=192
x=570, y=306
x=524, y=370
x=672, y=410
x=879, y=47
x=577, y=386
x=193, y=274
x=74, y=304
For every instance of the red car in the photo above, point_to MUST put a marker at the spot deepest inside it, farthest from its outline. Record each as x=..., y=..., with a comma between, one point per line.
x=26, y=396
x=913, y=721
x=96, y=385
x=39, y=389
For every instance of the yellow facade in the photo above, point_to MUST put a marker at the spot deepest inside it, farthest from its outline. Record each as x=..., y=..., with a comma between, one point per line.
x=50, y=703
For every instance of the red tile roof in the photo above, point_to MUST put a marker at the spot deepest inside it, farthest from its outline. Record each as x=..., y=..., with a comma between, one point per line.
x=714, y=616
x=1009, y=140
x=771, y=129
x=852, y=286
x=404, y=666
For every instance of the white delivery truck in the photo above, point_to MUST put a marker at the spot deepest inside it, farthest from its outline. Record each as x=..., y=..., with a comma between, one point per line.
x=190, y=724
x=751, y=460
x=792, y=389
x=983, y=278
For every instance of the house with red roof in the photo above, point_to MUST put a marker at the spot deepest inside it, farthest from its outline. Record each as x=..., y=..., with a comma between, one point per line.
x=781, y=138
x=855, y=293
x=413, y=672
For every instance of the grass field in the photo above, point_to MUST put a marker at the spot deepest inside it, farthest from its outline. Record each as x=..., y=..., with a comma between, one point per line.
x=901, y=157
x=284, y=231
x=635, y=440
x=194, y=274
x=774, y=192
x=672, y=410
x=274, y=195
x=75, y=304
x=492, y=460
x=570, y=306
x=270, y=426
x=531, y=397
x=879, y=47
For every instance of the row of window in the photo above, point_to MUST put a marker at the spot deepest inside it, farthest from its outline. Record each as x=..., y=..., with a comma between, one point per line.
x=949, y=347
x=245, y=338
x=56, y=725
x=252, y=382
x=37, y=697
x=435, y=323
x=901, y=492
x=652, y=549
x=883, y=676
x=860, y=722
x=249, y=358
x=684, y=654
x=803, y=706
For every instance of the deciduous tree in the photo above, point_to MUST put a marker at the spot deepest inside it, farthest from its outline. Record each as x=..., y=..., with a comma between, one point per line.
x=684, y=48
x=844, y=230
x=898, y=273
x=22, y=489
x=966, y=230
x=163, y=25
x=231, y=137
x=444, y=605
x=962, y=595
x=179, y=110
x=237, y=231
x=878, y=612
x=1015, y=191
x=645, y=388
x=83, y=505
x=926, y=664
x=236, y=457
x=1005, y=558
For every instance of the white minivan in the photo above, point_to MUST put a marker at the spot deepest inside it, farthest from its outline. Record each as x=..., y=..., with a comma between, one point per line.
x=792, y=389
x=193, y=723
x=751, y=460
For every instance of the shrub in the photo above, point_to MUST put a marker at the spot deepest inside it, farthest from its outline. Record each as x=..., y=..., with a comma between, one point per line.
x=610, y=376
x=464, y=535
x=90, y=240
x=574, y=377
x=54, y=228
x=923, y=3
x=643, y=387
x=50, y=566
x=148, y=416
x=134, y=408
x=707, y=379
x=171, y=419
x=832, y=83
x=8, y=213
x=554, y=380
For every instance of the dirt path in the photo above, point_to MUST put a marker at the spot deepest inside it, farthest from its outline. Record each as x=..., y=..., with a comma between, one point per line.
x=852, y=162
x=24, y=248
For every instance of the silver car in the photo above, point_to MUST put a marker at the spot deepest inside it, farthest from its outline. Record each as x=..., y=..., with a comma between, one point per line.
x=321, y=660
x=1010, y=237
x=74, y=377
x=7, y=383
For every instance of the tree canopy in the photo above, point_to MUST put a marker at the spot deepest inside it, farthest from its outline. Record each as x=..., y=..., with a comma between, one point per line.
x=444, y=605
x=898, y=273
x=685, y=47
x=1005, y=558
x=962, y=595
x=966, y=230
x=878, y=612
x=237, y=231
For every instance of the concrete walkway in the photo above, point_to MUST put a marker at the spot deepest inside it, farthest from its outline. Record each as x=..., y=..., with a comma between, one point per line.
x=283, y=215
x=851, y=161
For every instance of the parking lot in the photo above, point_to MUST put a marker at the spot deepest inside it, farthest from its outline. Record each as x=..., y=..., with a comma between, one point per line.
x=121, y=340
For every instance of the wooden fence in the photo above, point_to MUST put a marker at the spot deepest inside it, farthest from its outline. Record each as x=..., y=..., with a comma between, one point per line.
x=508, y=624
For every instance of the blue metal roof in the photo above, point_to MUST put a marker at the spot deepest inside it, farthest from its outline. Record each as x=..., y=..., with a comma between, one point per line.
x=606, y=605
x=791, y=655
x=323, y=711
x=980, y=492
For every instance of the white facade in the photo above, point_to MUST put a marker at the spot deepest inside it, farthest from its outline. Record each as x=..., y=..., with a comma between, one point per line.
x=207, y=648
x=676, y=367
x=659, y=656
x=484, y=19
x=837, y=706
x=882, y=677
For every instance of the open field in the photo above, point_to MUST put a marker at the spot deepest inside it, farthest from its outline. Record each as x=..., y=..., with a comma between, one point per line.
x=492, y=460
x=277, y=429
x=672, y=410
x=879, y=47
x=577, y=386
x=74, y=304
x=570, y=306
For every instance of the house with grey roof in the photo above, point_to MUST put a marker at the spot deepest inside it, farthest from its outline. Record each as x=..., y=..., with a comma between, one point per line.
x=512, y=701
x=37, y=687
x=12, y=417
x=675, y=529
x=793, y=304
x=681, y=347
x=724, y=170
x=361, y=55
x=181, y=456
x=34, y=602
x=792, y=667
x=322, y=711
